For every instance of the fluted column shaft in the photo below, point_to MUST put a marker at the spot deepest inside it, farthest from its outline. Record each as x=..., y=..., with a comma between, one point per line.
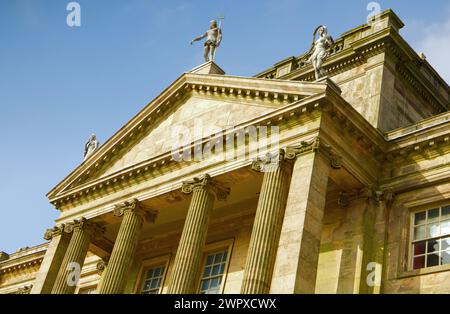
x=56, y=250
x=115, y=275
x=297, y=258
x=266, y=229
x=193, y=237
x=68, y=276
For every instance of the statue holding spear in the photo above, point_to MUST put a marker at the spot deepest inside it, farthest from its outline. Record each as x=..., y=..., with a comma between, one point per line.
x=213, y=39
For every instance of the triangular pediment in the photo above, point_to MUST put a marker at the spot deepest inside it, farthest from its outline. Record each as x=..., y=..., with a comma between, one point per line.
x=194, y=101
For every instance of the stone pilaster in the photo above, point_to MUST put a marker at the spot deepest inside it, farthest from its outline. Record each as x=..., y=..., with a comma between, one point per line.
x=267, y=225
x=45, y=278
x=363, y=253
x=295, y=268
x=189, y=253
x=356, y=249
x=115, y=275
x=73, y=260
x=381, y=201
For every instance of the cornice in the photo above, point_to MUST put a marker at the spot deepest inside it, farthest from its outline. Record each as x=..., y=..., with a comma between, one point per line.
x=388, y=39
x=276, y=92
x=23, y=260
x=141, y=171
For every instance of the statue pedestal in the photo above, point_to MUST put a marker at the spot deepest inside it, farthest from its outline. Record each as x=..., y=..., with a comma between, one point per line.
x=208, y=68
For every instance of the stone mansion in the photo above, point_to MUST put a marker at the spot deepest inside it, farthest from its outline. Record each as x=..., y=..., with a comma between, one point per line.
x=353, y=196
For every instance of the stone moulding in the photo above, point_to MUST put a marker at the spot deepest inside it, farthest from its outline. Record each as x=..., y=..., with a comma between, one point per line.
x=282, y=115
x=376, y=194
x=279, y=91
x=21, y=266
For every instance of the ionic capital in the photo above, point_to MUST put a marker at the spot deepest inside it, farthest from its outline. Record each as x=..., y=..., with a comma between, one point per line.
x=53, y=232
x=206, y=182
x=101, y=266
x=315, y=145
x=382, y=195
x=270, y=162
x=92, y=228
x=137, y=207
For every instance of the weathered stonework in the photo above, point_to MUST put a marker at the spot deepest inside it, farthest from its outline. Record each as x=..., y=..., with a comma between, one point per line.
x=361, y=151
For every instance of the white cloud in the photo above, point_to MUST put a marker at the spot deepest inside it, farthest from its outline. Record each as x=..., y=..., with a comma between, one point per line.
x=434, y=41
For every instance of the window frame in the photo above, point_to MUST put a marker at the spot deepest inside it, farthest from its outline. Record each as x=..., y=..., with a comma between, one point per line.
x=149, y=263
x=226, y=245
x=412, y=241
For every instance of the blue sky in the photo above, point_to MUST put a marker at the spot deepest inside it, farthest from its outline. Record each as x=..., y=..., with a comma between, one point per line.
x=59, y=84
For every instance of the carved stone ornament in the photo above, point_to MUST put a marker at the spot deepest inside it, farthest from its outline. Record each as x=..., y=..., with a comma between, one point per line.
x=92, y=228
x=206, y=182
x=270, y=162
x=377, y=195
x=24, y=290
x=101, y=266
x=55, y=231
x=292, y=152
x=136, y=206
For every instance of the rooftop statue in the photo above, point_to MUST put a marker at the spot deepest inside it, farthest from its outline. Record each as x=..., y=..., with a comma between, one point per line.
x=91, y=146
x=320, y=49
x=213, y=38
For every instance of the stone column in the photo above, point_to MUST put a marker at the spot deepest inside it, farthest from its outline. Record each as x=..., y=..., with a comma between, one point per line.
x=267, y=225
x=134, y=213
x=375, y=267
x=298, y=251
x=356, y=249
x=189, y=252
x=68, y=275
x=56, y=249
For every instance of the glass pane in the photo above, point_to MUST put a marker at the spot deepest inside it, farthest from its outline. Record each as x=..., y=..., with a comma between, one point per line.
x=432, y=246
x=154, y=284
x=433, y=230
x=210, y=259
x=433, y=260
x=445, y=257
x=150, y=273
x=218, y=258
x=445, y=244
x=420, y=218
x=222, y=268
x=146, y=285
x=157, y=272
x=215, y=270
x=214, y=282
x=207, y=272
x=419, y=233
x=419, y=248
x=445, y=212
x=419, y=262
x=445, y=227
x=433, y=215
x=205, y=285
